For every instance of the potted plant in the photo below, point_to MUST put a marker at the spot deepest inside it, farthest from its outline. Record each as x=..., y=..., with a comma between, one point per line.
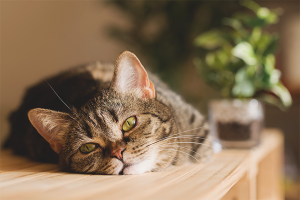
x=240, y=63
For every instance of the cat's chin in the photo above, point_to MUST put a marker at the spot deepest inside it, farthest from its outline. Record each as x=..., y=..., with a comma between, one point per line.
x=137, y=168
x=133, y=169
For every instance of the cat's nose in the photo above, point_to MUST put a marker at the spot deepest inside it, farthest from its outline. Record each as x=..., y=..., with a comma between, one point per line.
x=118, y=153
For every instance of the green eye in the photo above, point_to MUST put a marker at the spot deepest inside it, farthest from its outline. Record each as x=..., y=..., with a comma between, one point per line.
x=87, y=148
x=129, y=124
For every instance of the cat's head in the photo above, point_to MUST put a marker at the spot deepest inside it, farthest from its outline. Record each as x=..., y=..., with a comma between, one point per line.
x=119, y=132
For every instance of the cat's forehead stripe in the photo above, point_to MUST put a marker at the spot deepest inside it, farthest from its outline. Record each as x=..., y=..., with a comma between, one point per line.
x=89, y=130
x=93, y=120
x=102, y=122
x=113, y=114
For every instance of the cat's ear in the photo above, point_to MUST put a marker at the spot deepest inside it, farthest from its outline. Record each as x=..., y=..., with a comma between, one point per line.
x=51, y=125
x=130, y=75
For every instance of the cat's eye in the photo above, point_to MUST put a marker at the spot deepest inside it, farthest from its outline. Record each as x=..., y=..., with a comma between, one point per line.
x=129, y=124
x=87, y=148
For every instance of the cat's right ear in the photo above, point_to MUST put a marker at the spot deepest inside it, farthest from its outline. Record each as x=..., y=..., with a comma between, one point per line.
x=51, y=125
x=130, y=75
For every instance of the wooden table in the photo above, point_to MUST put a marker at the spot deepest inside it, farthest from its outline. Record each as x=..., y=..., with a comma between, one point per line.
x=230, y=175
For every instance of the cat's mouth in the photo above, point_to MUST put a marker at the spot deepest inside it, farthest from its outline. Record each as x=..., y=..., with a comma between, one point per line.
x=124, y=166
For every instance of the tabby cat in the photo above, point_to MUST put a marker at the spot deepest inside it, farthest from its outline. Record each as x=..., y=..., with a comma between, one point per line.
x=116, y=120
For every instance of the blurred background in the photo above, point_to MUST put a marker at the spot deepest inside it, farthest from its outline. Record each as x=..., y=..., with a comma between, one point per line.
x=42, y=38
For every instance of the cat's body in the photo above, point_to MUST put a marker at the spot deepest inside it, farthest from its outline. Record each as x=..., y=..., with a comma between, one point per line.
x=102, y=98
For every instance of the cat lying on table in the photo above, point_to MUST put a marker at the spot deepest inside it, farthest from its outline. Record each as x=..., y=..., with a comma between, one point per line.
x=116, y=120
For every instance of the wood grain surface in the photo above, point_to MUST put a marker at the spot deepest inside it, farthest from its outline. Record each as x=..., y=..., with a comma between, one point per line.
x=232, y=174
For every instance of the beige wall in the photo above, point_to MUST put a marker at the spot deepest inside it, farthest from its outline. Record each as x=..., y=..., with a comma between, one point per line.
x=40, y=38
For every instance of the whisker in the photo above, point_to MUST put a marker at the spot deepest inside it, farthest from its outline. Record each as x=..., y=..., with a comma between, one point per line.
x=173, y=135
x=186, y=154
x=190, y=143
x=183, y=132
x=57, y=94
x=175, y=158
x=184, y=148
x=64, y=103
x=194, y=137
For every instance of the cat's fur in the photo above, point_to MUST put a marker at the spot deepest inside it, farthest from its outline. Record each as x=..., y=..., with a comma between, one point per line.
x=101, y=96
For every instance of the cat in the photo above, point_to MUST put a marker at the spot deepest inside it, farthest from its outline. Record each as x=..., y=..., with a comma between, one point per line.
x=108, y=119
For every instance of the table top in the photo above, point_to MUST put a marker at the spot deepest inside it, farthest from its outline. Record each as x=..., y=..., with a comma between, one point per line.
x=21, y=178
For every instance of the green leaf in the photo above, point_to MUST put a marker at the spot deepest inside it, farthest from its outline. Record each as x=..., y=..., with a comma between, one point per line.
x=283, y=94
x=269, y=63
x=210, y=40
x=266, y=14
x=247, y=68
x=241, y=74
x=272, y=45
x=250, y=20
x=262, y=78
x=210, y=59
x=255, y=35
x=263, y=12
x=234, y=23
x=275, y=77
x=267, y=76
x=263, y=44
x=272, y=18
x=251, y=5
x=251, y=69
x=222, y=57
x=243, y=86
x=255, y=22
x=245, y=52
x=270, y=99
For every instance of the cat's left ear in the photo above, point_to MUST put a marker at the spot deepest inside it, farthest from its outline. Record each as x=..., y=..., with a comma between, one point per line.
x=50, y=124
x=130, y=75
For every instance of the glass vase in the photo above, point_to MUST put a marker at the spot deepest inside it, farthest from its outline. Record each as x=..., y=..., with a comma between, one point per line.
x=236, y=123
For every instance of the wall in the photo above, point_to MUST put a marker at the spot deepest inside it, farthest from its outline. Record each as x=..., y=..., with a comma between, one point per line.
x=40, y=38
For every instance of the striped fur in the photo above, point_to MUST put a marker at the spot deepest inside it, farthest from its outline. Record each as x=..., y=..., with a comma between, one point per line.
x=168, y=130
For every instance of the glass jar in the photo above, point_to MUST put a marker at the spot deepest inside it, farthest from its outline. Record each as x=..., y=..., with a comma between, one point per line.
x=236, y=123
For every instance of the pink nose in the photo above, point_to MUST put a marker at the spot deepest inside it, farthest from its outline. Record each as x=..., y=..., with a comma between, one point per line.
x=118, y=153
